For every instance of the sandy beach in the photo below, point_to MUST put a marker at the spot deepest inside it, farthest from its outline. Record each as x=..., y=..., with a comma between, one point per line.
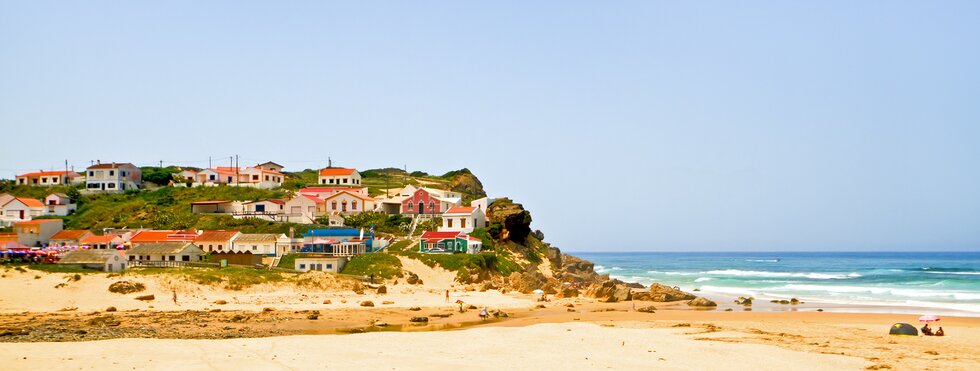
x=268, y=327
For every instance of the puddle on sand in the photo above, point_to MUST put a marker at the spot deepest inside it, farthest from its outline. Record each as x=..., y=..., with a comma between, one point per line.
x=412, y=327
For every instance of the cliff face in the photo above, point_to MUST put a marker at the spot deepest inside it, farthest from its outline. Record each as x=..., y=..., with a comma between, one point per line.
x=463, y=181
x=546, y=268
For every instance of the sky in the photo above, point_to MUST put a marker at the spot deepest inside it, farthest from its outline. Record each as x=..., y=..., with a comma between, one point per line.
x=621, y=126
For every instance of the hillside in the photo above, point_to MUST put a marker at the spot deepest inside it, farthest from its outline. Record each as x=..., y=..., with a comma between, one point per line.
x=169, y=207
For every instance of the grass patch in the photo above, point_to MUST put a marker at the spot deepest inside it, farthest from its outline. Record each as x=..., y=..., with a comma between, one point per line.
x=466, y=264
x=381, y=265
x=287, y=261
x=401, y=247
x=58, y=268
x=233, y=278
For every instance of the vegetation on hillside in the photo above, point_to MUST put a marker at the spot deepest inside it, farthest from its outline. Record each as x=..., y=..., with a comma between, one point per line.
x=378, y=264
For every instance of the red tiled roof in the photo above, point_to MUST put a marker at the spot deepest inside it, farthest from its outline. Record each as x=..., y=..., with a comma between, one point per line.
x=49, y=173
x=433, y=235
x=336, y=171
x=4, y=237
x=331, y=189
x=460, y=210
x=314, y=198
x=69, y=234
x=215, y=236
x=110, y=165
x=358, y=195
x=30, y=202
x=93, y=239
x=162, y=236
x=37, y=221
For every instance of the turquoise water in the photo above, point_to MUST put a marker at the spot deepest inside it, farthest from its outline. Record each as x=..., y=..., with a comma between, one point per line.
x=947, y=282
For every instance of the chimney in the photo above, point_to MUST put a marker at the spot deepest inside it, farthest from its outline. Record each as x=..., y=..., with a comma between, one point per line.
x=98, y=162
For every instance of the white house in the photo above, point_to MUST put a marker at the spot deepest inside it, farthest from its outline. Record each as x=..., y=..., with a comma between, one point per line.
x=261, y=178
x=166, y=252
x=110, y=260
x=324, y=192
x=216, y=207
x=19, y=209
x=217, y=240
x=270, y=166
x=59, y=204
x=48, y=178
x=112, y=177
x=333, y=264
x=262, y=244
x=267, y=207
x=463, y=219
x=348, y=203
x=37, y=232
x=241, y=177
x=304, y=209
x=339, y=177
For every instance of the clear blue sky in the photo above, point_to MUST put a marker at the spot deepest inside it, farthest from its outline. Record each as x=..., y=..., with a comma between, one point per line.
x=673, y=125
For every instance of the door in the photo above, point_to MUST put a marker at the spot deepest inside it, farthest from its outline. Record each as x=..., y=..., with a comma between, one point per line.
x=260, y=208
x=421, y=207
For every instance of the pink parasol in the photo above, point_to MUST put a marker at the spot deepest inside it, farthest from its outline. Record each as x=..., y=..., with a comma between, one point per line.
x=929, y=318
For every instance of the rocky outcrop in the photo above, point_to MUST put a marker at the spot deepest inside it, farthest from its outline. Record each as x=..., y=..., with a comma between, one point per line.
x=463, y=181
x=515, y=222
x=662, y=293
x=702, y=302
x=567, y=291
x=529, y=281
x=610, y=291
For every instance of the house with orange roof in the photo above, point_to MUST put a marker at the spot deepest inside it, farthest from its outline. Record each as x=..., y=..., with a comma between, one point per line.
x=159, y=236
x=241, y=177
x=324, y=192
x=304, y=209
x=112, y=177
x=463, y=219
x=68, y=237
x=37, y=232
x=19, y=209
x=49, y=178
x=218, y=241
x=449, y=242
x=107, y=241
x=338, y=176
x=270, y=166
x=348, y=203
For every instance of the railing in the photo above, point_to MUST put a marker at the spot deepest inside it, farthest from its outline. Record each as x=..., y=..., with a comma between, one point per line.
x=170, y=264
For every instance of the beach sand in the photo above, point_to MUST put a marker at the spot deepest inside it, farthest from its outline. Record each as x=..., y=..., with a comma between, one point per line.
x=573, y=333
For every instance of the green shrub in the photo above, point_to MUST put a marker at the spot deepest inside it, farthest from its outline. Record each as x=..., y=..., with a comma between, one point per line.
x=379, y=264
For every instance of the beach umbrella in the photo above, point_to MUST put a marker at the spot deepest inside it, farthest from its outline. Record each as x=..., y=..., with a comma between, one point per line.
x=929, y=318
x=538, y=291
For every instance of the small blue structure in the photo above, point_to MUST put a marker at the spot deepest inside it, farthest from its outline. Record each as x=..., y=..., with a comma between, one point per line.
x=340, y=241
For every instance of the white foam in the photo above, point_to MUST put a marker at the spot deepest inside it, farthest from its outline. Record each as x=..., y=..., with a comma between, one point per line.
x=702, y=279
x=912, y=293
x=816, y=276
x=728, y=290
x=956, y=273
x=763, y=260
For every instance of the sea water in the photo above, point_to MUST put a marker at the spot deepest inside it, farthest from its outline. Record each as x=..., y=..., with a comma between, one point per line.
x=928, y=282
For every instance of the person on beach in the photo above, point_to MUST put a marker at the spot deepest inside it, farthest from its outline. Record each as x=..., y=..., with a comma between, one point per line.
x=926, y=330
x=447, y=296
x=940, y=332
x=484, y=314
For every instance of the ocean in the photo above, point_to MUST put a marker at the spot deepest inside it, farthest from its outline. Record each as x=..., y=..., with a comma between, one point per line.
x=886, y=282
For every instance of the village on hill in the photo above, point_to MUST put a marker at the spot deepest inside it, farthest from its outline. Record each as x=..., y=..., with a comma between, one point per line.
x=330, y=219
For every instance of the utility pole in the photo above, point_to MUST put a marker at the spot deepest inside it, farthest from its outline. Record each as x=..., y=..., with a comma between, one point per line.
x=64, y=178
x=209, y=162
x=236, y=171
x=329, y=163
x=161, y=163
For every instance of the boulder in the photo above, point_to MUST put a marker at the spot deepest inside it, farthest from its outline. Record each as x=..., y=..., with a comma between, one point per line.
x=527, y=282
x=567, y=292
x=647, y=309
x=367, y=303
x=382, y=289
x=662, y=293
x=419, y=319
x=126, y=287
x=610, y=292
x=104, y=321
x=702, y=302
x=515, y=222
x=146, y=297
x=413, y=279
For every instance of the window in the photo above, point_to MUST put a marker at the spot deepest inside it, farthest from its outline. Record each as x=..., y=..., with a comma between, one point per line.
x=353, y=205
x=112, y=172
x=211, y=177
x=333, y=205
x=111, y=185
x=123, y=173
x=331, y=180
x=432, y=206
x=254, y=247
x=302, y=266
x=345, y=180
x=219, y=247
x=449, y=222
x=323, y=181
x=91, y=173
x=410, y=206
x=185, y=258
x=462, y=222
x=256, y=177
x=210, y=247
x=329, y=266
x=44, y=180
x=266, y=178
x=172, y=258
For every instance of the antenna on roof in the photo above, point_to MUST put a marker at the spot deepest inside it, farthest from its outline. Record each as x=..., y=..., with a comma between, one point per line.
x=329, y=162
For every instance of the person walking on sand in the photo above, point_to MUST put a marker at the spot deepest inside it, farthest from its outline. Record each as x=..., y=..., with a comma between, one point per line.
x=447, y=296
x=175, y=297
x=484, y=314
